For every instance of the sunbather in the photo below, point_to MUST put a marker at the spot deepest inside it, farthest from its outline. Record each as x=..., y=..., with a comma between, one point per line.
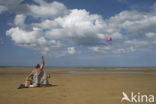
x=39, y=76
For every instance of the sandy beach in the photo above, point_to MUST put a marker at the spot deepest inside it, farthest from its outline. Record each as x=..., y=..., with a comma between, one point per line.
x=75, y=88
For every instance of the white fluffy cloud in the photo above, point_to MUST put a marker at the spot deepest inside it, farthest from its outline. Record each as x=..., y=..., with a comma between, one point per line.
x=61, y=29
x=32, y=39
x=79, y=27
x=47, y=10
x=24, y=37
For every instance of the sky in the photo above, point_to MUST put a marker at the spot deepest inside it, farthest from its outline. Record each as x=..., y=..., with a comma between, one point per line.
x=72, y=33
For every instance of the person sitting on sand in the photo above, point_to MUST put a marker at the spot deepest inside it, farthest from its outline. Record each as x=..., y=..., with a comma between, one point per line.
x=39, y=76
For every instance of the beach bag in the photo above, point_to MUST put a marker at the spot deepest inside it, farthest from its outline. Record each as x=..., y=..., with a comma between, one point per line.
x=26, y=83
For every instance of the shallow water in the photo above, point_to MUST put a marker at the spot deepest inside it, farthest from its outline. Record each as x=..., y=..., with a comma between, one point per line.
x=110, y=72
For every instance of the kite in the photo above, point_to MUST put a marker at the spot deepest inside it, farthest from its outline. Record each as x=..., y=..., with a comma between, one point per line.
x=108, y=40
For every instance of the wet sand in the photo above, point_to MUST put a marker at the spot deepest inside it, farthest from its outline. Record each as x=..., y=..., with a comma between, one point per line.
x=76, y=88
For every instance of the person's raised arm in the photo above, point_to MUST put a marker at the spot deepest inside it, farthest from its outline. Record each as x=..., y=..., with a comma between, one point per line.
x=29, y=75
x=43, y=62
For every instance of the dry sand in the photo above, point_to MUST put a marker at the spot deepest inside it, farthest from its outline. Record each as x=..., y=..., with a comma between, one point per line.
x=75, y=88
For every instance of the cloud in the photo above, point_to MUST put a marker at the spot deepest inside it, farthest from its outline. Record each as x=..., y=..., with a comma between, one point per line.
x=31, y=39
x=13, y=6
x=134, y=22
x=136, y=43
x=71, y=50
x=124, y=50
x=154, y=6
x=103, y=49
x=47, y=10
x=23, y=37
x=10, y=2
x=19, y=20
x=2, y=8
x=79, y=27
x=150, y=35
x=60, y=29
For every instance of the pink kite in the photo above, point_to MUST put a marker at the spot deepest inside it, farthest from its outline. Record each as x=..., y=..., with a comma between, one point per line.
x=109, y=38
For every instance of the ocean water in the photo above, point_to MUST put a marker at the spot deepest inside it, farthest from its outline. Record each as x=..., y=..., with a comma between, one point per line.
x=84, y=67
x=110, y=72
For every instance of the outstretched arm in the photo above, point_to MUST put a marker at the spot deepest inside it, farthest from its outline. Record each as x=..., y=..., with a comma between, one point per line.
x=29, y=75
x=43, y=63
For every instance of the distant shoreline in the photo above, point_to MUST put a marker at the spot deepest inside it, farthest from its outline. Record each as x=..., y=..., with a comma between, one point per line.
x=83, y=67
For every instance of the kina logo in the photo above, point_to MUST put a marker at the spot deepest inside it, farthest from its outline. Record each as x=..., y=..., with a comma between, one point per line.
x=137, y=98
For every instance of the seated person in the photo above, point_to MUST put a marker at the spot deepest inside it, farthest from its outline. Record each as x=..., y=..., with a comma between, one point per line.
x=39, y=76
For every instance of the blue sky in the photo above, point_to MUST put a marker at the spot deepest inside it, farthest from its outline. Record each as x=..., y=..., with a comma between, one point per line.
x=72, y=32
